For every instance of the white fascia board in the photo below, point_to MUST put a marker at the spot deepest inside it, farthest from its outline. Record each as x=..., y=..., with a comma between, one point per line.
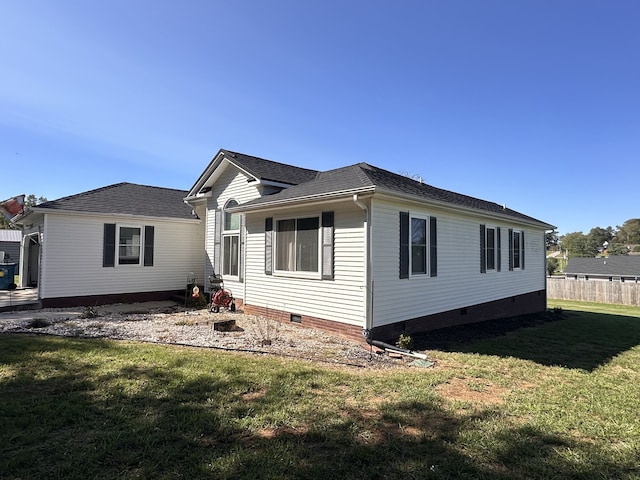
x=292, y=202
x=46, y=211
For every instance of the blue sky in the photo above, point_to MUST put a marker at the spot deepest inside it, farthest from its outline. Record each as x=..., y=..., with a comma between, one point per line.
x=534, y=104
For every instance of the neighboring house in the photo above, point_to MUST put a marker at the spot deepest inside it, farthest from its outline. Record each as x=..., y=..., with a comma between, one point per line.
x=620, y=268
x=123, y=242
x=10, y=247
x=360, y=248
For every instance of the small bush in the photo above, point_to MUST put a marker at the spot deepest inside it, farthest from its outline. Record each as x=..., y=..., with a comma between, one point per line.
x=405, y=341
x=89, y=312
x=38, y=323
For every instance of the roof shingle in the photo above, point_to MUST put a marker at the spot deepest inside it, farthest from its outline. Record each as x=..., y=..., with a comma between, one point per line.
x=126, y=199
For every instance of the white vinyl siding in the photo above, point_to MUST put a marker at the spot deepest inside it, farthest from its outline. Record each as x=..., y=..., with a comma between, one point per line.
x=231, y=185
x=73, y=252
x=459, y=282
x=340, y=299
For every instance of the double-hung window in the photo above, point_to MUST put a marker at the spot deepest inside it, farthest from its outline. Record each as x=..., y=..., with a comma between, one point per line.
x=128, y=245
x=418, y=245
x=231, y=241
x=298, y=244
x=489, y=248
x=516, y=249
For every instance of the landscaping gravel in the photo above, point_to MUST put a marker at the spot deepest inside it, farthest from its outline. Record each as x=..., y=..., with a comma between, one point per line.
x=180, y=326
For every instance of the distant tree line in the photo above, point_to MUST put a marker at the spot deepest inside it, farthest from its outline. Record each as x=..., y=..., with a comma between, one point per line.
x=622, y=240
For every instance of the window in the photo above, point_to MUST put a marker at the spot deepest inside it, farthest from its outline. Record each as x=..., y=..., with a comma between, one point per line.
x=127, y=245
x=231, y=241
x=489, y=248
x=418, y=245
x=297, y=244
x=516, y=249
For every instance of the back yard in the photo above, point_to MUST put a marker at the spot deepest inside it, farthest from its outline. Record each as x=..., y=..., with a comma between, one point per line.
x=555, y=400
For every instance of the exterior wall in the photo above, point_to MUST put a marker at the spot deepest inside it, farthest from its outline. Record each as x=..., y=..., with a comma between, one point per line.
x=12, y=251
x=458, y=283
x=339, y=300
x=72, y=252
x=232, y=184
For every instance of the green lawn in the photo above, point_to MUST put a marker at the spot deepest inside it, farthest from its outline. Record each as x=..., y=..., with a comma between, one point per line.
x=559, y=400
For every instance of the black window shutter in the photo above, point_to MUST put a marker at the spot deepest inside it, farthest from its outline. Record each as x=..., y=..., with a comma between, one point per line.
x=148, y=245
x=404, y=244
x=498, y=250
x=433, y=245
x=327, y=245
x=217, y=241
x=109, y=245
x=510, y=249
x=483, y=248
x=268, y=250
x=522, y=253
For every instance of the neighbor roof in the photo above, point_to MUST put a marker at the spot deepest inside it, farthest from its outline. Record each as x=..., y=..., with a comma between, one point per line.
x=10, y=235
x=125, y=199
x=365, y=178
x=618, y=265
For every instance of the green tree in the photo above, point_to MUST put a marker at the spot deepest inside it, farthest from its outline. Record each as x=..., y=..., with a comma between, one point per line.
x=551, y=239
x=577, y=244
x=618, y=249
x=598, y=236
x=629, y=232
x=552, y=265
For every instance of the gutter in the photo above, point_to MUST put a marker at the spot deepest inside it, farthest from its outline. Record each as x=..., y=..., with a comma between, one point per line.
x=368, y=282
x=285, y=202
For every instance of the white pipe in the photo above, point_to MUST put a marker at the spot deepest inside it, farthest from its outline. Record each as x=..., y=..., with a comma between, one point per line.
x=367, y=267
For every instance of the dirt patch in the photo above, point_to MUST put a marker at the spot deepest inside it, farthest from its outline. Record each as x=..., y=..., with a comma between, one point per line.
x=476, y=391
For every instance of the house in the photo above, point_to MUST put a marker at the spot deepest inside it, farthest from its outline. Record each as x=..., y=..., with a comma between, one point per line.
x=620, y=268
x=10, y=247
x=361, y=248
x=120, y=243
x=347, y=250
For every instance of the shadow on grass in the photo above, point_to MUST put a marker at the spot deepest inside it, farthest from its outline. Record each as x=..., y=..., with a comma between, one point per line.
x=571, y=339
x=146, y=420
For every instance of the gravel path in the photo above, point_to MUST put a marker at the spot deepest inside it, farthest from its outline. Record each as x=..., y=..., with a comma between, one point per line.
x=175, y=325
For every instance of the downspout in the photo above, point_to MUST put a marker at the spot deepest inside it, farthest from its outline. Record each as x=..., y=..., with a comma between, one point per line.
x=368, y=286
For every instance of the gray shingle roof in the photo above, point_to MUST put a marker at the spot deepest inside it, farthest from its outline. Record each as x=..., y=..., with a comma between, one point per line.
x=619, y=265
x=363, y=176
x=270, y=170
x=126, y=199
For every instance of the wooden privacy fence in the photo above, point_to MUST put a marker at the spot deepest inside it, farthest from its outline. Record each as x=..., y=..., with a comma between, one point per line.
x=599, y=291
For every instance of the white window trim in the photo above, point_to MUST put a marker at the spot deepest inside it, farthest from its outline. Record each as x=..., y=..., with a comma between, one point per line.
x=229, y=233
x=520, y=249
x=141, y=246
x=495, y=248
x=274, y=247
x=424, y=274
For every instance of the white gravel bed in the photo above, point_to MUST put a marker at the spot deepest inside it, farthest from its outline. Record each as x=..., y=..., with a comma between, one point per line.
x=176, y=325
